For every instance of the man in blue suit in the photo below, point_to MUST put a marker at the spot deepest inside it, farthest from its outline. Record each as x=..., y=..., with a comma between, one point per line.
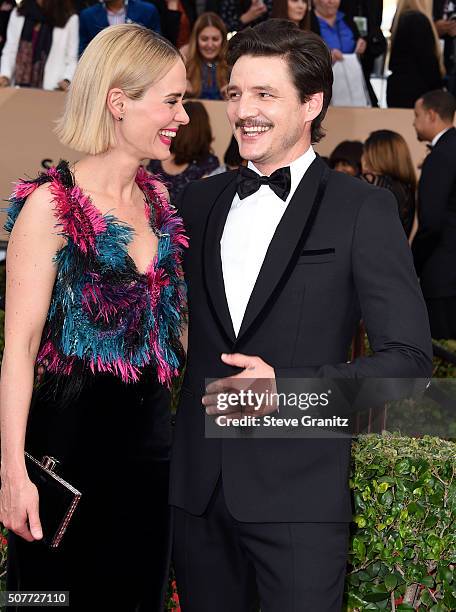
x=95, y=18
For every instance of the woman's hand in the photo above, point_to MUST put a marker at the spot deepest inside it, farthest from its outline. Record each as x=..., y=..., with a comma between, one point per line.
x=360, y=46
x=256, y=9
x=19, y=507
x=4, y=81
x=63, y=85
x=337, y=55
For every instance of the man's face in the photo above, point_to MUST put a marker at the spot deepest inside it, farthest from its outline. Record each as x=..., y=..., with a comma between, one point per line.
x=269, y=122
x=423, y=122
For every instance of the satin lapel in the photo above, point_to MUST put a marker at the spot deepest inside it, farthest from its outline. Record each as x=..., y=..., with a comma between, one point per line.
x=212, y=261
x=288, y=240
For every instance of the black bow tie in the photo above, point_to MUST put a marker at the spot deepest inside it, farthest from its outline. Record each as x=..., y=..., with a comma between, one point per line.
x=249, y=182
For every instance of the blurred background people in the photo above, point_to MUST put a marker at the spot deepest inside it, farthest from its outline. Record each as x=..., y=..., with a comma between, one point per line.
x=207, y=69
x=231, y=160
x=341, y=34
x=444, y=13
x=338, y=30
x=434, y=247
x=6, y=8
x=238, y=14
x=112, y=12
x=191, y=153
x=297, y=11
x=41, y=48
x=368, y=15
x=177, y=18
x=346, y=157
x=416, y=62
x=386, y=162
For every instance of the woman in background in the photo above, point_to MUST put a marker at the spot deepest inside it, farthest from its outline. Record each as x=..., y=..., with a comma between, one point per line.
x=294, y=10
x=41, y=48
x=346, y=157
x=191, y=154
x=387, y=162
x=238, y=14
x=207, y=69
x=416, y=61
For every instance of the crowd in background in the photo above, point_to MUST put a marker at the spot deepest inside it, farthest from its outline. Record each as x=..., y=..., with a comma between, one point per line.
x=41, y=40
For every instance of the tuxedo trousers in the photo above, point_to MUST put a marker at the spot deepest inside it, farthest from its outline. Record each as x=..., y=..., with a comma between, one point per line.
x=233, y=566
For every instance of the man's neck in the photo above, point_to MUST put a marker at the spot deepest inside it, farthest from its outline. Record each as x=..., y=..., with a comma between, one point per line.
x=331, y=19
x=441, y=128
x=115, y=5
x=267, y=167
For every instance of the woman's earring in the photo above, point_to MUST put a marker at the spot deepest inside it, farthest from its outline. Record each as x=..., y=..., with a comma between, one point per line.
x=120, y=118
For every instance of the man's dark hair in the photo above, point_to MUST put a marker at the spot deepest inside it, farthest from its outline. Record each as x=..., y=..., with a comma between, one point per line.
x=441, y=102
x=307, y=56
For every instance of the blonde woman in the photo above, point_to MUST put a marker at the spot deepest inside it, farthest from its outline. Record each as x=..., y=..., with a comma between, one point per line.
x=94, y=294
x=207, y=70
x=416, y=59
x=386, y=162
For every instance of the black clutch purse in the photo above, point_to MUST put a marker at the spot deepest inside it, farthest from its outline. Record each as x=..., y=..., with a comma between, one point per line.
x=58, y=499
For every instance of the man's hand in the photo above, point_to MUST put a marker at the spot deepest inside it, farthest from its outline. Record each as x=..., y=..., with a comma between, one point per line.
x=337, y=55
x=360, y=46
x=445, y=27
x=253, y=388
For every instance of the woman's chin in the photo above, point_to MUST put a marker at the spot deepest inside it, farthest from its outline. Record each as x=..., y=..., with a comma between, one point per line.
x=161, y=153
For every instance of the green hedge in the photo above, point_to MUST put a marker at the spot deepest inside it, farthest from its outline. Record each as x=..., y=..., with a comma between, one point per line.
x=403, y=550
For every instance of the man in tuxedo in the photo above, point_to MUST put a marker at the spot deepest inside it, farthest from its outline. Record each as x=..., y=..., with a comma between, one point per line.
x=111, y=12
x=434, y=246
x=285, y=257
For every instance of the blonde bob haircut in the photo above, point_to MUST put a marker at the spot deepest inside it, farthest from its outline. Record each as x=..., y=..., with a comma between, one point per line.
x=128, y=56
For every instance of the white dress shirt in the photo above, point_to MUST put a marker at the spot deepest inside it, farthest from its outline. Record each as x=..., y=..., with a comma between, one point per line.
x=248, y=231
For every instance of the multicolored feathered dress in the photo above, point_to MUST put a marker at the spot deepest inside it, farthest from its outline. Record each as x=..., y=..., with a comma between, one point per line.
x=110, y=349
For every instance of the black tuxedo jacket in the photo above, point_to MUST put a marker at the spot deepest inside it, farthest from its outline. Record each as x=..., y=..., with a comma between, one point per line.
x=323, y=270
x=434, y=247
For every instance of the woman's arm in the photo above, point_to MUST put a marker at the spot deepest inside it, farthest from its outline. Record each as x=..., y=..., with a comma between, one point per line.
x=72, y=46
x=30, y=279
x=9, y=53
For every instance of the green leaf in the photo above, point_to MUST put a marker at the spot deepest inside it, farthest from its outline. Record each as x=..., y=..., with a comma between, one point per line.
x=446, y=574
x=426, y=598
x=374, y=597
x=405, y=606
x=383, y=487
x=402, y=467
x=355, y=601
x=427, y=581
x=390, y=582
x=360, y=521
